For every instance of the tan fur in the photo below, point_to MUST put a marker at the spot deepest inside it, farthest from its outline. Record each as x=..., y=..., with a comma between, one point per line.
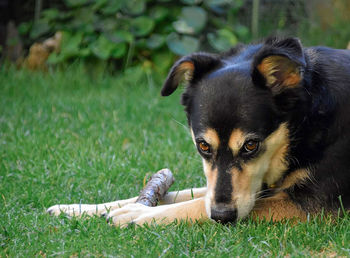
x=88, y=209
x=241, y=184
x=277, y=208
x=268, y=167
x=280, y=206
x=184, y=195
x=296, y=177
x=280, y=70
x=212, y=137
x=211, y=176
x=184, y=71
x=236, y=140
x=278, y=163
x=190, y=211
x=243, y=193
x=193, y=138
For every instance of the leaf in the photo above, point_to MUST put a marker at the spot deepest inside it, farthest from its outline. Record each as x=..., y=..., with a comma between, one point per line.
x=84, y=20
x=121, y=36
x=25, y=27
x=50, y=14
x=119, y=50
x=220, y=7
x=70, y=47
x=192, y=20
x=102, y=48
x=39, y=29
x=99, y=4
x=142, y=26
x=241, y=31
x=55, y=58
x=70, y=44
x=112, y=7
x=134, y=7
x=158, y=13
x=224, y=6
x=155, y=41
x=182, y=45
x=191, y=2
x=84, y=52
x=85, y=15
x=75, y=3
x=162, y=61
x=216, y=2
x=107, y=24
x=223, y=40
x=181, y=26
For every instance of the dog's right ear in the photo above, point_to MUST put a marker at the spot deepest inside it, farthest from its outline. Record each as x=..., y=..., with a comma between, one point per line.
x=190, y=69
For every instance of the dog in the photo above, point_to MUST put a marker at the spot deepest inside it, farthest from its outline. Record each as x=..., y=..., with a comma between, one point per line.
x=271, y=122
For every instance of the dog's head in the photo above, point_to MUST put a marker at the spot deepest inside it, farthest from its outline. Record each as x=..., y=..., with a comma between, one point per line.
x=237, y=106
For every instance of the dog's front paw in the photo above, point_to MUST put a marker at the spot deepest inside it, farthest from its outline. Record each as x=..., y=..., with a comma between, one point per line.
x=134, y=213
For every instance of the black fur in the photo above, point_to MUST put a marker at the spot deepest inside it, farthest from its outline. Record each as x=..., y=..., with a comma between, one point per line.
x=227, y=91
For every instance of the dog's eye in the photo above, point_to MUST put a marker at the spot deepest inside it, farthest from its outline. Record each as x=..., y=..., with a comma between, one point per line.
x=251, y=146
x=203, y=146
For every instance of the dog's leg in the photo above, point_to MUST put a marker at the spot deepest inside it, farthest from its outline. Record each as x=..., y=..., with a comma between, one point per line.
x=277, y=208
x=99, y=209
x=88, y=209
x=193, y=210
x=183, y=195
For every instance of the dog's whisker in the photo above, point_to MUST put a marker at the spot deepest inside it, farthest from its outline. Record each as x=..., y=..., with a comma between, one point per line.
x=182, y=125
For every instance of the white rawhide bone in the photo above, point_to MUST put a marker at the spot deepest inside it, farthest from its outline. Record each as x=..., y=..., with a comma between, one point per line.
x=156, y=188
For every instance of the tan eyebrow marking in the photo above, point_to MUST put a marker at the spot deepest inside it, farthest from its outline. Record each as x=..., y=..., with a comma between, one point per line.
x=212, y=137
x=236, y=140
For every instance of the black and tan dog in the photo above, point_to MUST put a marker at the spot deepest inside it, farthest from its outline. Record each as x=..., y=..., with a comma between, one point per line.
x=272, y=124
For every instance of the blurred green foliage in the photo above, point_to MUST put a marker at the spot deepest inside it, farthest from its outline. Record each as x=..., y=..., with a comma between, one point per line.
x=150, y=34
x=129, y=32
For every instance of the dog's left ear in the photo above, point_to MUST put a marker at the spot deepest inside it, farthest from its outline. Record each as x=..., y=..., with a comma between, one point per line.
x=279, y=64
x=190, y=69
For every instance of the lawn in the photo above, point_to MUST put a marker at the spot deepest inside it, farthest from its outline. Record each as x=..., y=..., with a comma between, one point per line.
x=69, y=138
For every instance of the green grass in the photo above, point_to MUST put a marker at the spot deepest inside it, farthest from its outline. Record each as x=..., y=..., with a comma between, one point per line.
x=68, y=138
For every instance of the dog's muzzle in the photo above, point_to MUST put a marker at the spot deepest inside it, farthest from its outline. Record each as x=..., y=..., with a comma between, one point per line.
x=224, y=215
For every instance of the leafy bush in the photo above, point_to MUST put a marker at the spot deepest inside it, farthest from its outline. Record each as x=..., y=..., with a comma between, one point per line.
x=138, y=31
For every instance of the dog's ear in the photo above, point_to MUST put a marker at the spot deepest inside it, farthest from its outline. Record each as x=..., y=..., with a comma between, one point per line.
x=190, y=69
x=279, y=64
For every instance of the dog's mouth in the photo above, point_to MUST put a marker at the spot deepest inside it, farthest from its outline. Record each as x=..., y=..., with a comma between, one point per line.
x=229, y=212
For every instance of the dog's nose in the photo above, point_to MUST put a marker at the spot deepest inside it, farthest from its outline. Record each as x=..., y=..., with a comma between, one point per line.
x=224, y=215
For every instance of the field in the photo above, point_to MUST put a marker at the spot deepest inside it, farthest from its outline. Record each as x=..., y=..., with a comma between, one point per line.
x=72, y=138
